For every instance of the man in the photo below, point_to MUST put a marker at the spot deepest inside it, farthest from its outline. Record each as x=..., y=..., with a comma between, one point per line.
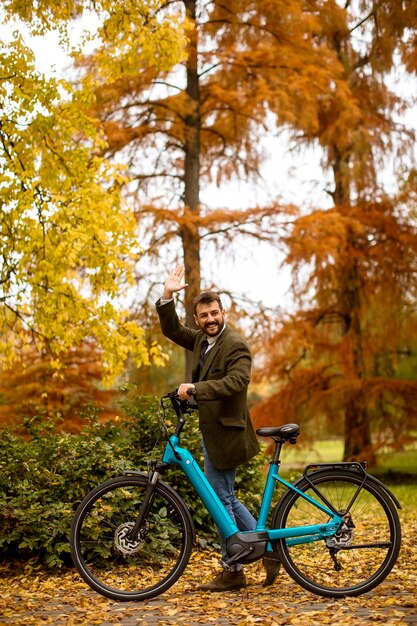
x=220, y=378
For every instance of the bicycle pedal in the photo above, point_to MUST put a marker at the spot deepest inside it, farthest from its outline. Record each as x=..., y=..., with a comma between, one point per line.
x=225, y=566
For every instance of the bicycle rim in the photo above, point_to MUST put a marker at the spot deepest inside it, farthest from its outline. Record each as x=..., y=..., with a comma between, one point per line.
x=365, y=550
x=118, y=567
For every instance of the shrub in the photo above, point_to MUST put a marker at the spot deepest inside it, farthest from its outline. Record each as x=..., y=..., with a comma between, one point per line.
x=47, y=472
x=43, y=480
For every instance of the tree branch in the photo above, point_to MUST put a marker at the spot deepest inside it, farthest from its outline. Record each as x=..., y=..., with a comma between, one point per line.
x=365, y=19
x=162, y=82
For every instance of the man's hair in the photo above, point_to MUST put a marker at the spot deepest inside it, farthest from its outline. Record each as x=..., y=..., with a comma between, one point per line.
x=205, y=297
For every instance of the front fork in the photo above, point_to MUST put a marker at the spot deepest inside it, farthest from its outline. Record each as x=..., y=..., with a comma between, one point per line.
x=156, y=470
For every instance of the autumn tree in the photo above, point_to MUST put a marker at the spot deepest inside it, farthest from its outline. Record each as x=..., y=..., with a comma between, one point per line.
x=354, y=265
x=177, y=131
x=68, y=239
x=34, y=387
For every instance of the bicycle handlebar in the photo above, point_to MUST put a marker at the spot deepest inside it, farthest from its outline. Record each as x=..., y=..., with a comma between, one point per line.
x=181, y=408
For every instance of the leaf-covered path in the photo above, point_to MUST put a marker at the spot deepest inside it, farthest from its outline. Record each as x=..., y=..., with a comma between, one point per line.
x=35, y=597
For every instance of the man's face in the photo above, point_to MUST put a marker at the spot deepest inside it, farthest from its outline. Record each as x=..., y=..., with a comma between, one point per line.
x=210, y=318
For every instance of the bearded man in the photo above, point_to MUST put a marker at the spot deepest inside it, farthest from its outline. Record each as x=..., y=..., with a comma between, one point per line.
x=220, y=378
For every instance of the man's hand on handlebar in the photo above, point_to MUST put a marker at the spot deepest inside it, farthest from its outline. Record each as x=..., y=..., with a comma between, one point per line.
x=186, y=390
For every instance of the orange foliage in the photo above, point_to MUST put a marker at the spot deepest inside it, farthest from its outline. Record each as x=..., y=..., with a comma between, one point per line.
x=200, y=123
x=346, y=357
x=352, y=344
x=319, y=68
x=34, y=387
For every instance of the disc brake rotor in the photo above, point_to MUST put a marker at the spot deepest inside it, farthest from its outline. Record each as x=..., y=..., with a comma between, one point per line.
x=123, y=543
x=344, y=535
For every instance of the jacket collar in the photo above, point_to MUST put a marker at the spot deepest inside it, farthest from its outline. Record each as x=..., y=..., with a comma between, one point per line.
x=213, y=351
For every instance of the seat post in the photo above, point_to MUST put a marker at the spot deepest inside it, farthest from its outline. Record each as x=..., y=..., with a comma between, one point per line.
x=277, y=451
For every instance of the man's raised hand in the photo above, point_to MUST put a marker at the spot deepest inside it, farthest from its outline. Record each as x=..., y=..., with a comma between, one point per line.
x=173, y=282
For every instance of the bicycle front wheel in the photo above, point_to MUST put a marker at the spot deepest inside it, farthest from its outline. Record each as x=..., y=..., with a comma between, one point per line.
x=360, y=555
x=111, y=562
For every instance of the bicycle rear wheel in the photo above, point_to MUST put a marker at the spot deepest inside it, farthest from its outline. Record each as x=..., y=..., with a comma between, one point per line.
x=360, y=555
x=111, y=563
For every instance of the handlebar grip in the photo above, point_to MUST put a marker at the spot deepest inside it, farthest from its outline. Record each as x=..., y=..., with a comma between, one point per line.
x=191, y=392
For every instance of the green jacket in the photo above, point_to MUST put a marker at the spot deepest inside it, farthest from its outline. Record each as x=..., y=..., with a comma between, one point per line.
x=221, y=390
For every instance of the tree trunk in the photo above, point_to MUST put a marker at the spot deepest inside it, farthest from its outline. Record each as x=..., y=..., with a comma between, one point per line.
x=357, y=431
x=358, y=443
x=189, y=232
x=341, y=193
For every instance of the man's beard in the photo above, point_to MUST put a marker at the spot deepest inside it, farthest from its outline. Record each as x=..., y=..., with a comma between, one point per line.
x=213, y=328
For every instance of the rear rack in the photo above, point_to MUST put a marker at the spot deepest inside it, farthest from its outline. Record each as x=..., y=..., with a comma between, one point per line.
x=359, y=466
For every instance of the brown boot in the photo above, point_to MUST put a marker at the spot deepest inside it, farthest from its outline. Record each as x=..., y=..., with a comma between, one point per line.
x=272, y=566
x=225, y=581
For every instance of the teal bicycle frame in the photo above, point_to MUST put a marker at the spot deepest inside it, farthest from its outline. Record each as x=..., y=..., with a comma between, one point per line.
x=300, y=534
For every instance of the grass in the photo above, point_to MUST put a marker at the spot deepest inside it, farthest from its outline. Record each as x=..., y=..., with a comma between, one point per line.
x=331, y=450
x=403, y=462
x=407, y=497
x=396, y=469
x=324, y=451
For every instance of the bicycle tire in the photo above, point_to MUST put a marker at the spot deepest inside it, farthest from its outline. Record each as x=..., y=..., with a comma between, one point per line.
x=121, y=569
x=375, y=522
